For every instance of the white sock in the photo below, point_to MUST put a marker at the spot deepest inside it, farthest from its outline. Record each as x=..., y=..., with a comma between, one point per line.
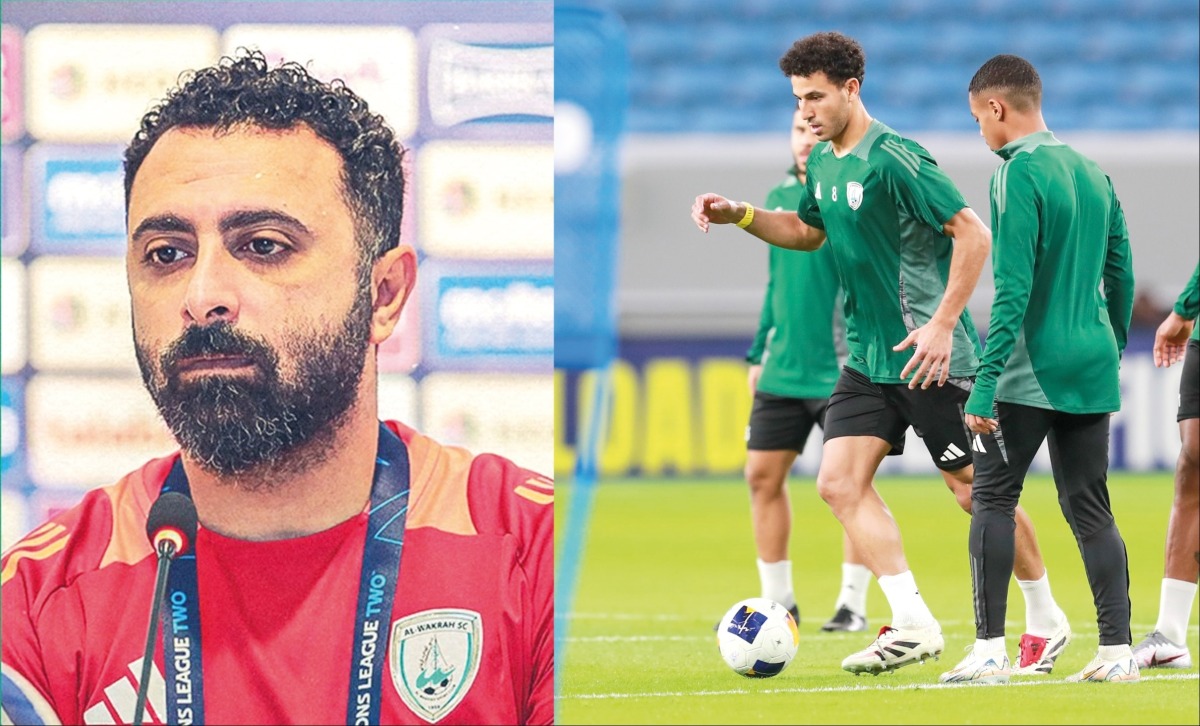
x=1114, y=652
x=990, y=646
x=1041, y=612
x=1175, y=609
x=855, y=580
x=776, y=581
x=908, y=607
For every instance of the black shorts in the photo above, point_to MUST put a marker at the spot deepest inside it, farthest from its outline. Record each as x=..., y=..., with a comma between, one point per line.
x=859, y=407
x=1189, y=385
x=779, y=423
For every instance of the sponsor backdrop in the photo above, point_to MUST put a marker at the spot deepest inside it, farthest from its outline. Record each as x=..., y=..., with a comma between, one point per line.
x=467, y=87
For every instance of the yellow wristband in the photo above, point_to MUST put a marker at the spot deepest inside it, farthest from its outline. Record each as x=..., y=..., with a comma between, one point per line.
x=749, y=216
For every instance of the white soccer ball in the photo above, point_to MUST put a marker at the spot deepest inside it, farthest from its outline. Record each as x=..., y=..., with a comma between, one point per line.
x=758, y=637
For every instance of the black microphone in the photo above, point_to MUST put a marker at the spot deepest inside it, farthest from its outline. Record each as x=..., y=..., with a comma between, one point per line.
x=171, y=527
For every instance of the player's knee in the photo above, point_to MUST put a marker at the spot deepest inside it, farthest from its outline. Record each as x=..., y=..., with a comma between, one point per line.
x=762, y=481
x=838, y=491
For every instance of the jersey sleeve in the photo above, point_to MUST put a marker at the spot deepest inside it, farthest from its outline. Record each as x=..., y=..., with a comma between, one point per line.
x=1014, y=247
x=522, y=507
x=1118, y=272
x=1187, y=306
x=807, y=208
x=916, y=182
x=34, y=570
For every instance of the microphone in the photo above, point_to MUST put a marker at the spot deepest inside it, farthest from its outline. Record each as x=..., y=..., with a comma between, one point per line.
x=171, y=527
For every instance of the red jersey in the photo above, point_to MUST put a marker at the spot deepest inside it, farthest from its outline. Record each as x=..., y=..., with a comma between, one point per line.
x=277, y=617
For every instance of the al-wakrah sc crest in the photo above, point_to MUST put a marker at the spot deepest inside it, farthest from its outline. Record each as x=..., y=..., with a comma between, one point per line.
x=434, y=655
x=854, y=194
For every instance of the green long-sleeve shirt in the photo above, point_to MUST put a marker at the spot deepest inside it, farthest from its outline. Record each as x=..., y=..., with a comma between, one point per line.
x=1064, y=283
x=801, y=332
x=1188, y=304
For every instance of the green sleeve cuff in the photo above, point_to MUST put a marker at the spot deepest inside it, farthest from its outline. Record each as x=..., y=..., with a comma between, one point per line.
x=982, y=402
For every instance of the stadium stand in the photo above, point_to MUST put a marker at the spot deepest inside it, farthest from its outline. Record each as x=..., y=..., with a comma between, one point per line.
x=1111, y=64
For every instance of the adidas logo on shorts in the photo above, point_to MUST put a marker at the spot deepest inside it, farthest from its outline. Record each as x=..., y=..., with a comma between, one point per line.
x=951, y=453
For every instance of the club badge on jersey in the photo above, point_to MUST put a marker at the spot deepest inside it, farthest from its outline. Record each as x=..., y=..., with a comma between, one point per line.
x=434, y=657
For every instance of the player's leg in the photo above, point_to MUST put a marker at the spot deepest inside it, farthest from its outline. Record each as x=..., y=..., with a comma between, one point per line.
x=862, y=427
x=936, y=414
x=850, y=608
x=779, y=426
x=1001, y=461
x=1166, y=647
x=1079, y=459
x=771, y=519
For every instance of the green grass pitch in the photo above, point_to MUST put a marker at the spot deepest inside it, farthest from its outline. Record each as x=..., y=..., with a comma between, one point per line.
x=665, y=558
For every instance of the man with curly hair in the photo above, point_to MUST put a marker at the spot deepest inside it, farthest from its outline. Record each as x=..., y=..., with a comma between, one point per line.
x=345, y=569
x=909, y=252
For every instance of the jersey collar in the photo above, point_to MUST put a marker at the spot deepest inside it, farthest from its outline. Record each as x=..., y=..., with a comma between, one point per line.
x=1027, y=143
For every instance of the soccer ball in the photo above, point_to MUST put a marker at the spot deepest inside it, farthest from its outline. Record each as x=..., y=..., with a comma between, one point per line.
x=758, y=637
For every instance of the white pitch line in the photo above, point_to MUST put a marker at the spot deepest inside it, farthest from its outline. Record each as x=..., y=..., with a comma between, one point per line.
x=845, y=689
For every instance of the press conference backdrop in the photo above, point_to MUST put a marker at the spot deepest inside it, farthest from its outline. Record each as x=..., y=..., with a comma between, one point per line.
x=710, y=111
x=468, y=87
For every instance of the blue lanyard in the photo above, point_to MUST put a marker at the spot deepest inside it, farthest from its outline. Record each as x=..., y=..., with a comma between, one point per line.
x=376, y=592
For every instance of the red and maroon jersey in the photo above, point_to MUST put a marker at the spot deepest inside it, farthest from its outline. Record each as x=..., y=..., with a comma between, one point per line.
x=476, y=590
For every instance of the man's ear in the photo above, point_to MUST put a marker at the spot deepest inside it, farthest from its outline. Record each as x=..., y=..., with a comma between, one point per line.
x=997, y=108
x=392, y=280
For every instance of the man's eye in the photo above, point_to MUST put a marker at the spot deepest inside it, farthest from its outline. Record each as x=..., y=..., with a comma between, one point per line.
x=165, y=255
x=264, y=246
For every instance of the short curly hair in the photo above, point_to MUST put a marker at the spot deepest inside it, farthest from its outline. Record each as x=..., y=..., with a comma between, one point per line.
x=838, y=56
x=244, y=91
x=1012, y=76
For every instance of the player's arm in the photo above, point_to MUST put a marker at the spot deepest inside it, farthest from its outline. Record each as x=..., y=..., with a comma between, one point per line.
x=934, y=341
x=25, y=687
x=1118, y=273
x=782, y=229
x=1170, y=340
x=1013, y=256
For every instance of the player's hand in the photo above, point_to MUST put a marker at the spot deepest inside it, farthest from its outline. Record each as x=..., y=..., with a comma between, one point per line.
x=981, y=425
x=934, y=343
x=1170, y=340
x=753, y=376
x=715, y=209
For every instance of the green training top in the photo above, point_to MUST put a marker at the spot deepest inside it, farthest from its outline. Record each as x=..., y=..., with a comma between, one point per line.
x=883, y=206
x=801, y=332
x=1064, y=283
x=1188, y=304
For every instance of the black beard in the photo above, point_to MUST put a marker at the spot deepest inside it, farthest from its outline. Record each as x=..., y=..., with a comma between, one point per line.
x=235, y=425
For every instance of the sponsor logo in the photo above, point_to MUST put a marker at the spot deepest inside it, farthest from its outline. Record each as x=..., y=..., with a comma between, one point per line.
x=378, y=63
x=80, y=314
x=12, y=227
x=12, y=316
x=109, y=425
x=482, y=317
x=951, y=453
x=854, y=194
x=10, y=83
x=434, y=657
x=494, y=71
x=509, y=413
x=503, y=194
x=108, y=74
x=10, y=425
x=79, y=200
x=977, y=444
x=120, y=697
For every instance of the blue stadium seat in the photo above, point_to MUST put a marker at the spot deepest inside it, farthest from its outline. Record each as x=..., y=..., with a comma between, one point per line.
x=1121, y=40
